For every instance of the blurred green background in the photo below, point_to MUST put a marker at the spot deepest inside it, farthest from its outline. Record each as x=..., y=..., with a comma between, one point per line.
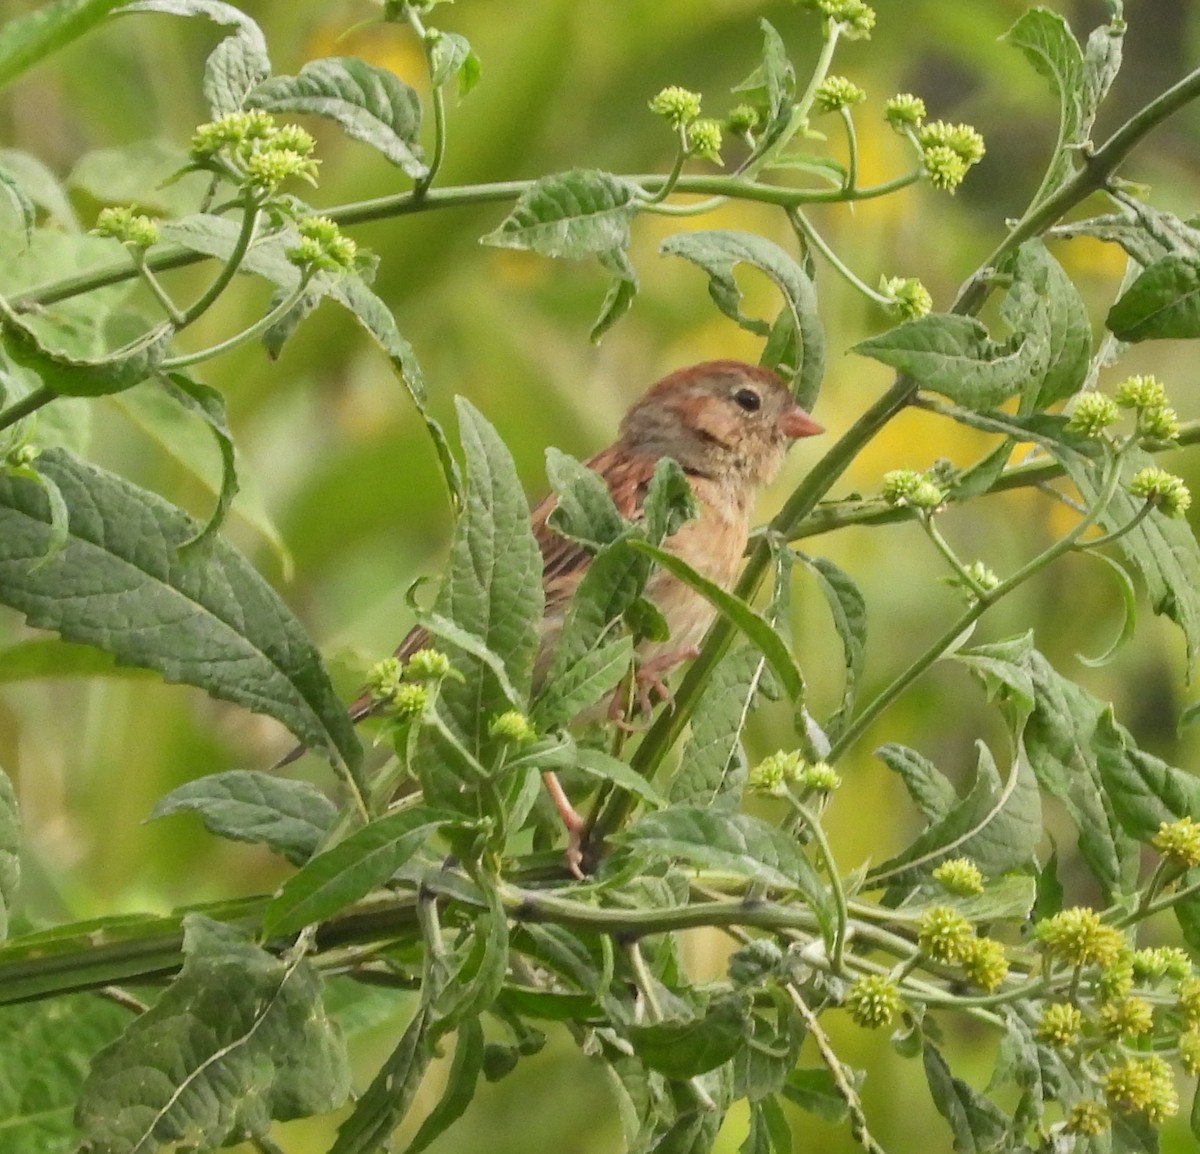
x=334, y=454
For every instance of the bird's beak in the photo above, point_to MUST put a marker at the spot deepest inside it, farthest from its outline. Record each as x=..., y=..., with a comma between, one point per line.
x=797, y=423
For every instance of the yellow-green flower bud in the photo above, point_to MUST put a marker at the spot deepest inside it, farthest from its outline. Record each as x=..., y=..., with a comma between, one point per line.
x=1060, y=1025
x=819, y=777
x=959, y=876
x=1141, y=392
x=1189, y=1051
x=384, y=678
x=1126, y=1018
x=743, y=120
x=1179, y=842
x=1161, y=962
x=512, y=726
x=128, y=227
x=678, y=106
x=855, y=16
x=23, y=456
x=409, y=701
x=427, y=665
x=1092, y=414
x=873, y=1001
x=292, y=138
x=322, y=246
x=1189, y=1002
x=944, y=167
x=231, y=130
x=907, y=487
x=943, y=934
x=1167, y=492
x=1161, y=424
x=1088, y=1119
x=775, y=773
x=910, y=299
x=961, y=139
x=984, y=963
x=268, y=170
x=837, y=92
x=904, y=111
x=1115, y=980
x=1079, y=937
x=704, y=140
x=1142, y=1086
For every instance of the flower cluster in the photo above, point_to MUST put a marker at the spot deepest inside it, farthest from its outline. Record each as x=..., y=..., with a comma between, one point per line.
x=837, y=92
x=249, y=148
x=948, y=151
x=904, y=110
x=1060, y=1025
x=1092, y=414
x=402, y=689
x=909, y=298
x=873, y=1001
x=513, y=727
x=1078, y=937
x=1142, y=1086
x=906, y=487
x=130, y=228
x=854, y=16
x=783, y=769
x=1156, y=420
x=959, y=876
x=1168, y=492
x=1179, y=842
x=322, y=247
x=680, y=108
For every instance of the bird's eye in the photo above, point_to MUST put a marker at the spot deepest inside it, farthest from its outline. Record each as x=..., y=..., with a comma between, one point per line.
x=748, y=399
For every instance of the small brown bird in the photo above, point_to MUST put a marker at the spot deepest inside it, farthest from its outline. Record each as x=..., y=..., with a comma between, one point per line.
x=729, y=426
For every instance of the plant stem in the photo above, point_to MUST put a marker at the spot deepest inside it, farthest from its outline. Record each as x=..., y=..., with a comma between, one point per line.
x=250, y=215
x=841, y=914
x=813, y=238
x=438, y=100
x=26, y=406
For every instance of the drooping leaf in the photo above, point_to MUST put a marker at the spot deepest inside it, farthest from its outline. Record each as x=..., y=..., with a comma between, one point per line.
x=977, y=1124
x=40, y=186
x=622, y=291
x=235, y=1017
x=460, y=1086
x=596, y=763
x=772, y=86
x=70, y=376
x=493, y=586
x=350, y=870
x=712, y=767
x=238, y=63
x=370, y=104
x=18, y=201
x=583, y=212
x=453, y=56
x=120, y=585
x=289, y=817
x=474, y=977
x=929, y=788
x=719, y=251
x=47, y=1047
x=1163, y=303
x=34, y=35
x=683, y=1049
x=816, y=1091
x=849, y=611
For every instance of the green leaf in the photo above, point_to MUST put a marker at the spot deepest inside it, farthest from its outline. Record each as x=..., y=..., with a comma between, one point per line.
x=597, y=763
x=10, y=848
x=1162, y=549
x=19, y=200
x=1163, y=303
x=1063, y=739
x=977, y=1124
x=79, y=377
x=718, y=251
x=730, y=842
x=350, y=870
x=712, y=768
x=290, y=817
x=384, y=1104
x=453, y=56
x=493, y=586
x=460, y=1086
x=581, y=685
x=815, y=1090
x=849, y=611
x=622, y=291
x=370, y=104
x=583, y=212
x=929, y=788
x=59, y=527
x=35, y=35
x=240, y=1038
x=1144, y=790
x=119, y=584
x=773, y=86
x=762, y=1067
x=238, y=63
x=1045, y=39
x=40, y=186
x=47, y=1048
x=475, y=978
x=584, y=510
x=954, y=356
x=998, y=825
x=684, y=1049
x=756, y=630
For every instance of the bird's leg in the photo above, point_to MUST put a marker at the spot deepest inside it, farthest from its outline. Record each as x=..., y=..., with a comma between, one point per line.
x=575, y=825
x=648, y=678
